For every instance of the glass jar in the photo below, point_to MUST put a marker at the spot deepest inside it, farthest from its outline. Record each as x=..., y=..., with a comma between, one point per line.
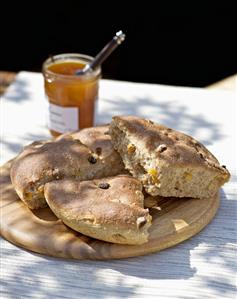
x=72, y=98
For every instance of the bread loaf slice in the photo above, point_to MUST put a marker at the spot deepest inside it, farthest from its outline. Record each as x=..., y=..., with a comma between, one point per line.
x=167, y=162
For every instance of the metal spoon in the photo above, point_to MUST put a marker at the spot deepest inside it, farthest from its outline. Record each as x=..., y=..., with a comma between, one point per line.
x=103, y=54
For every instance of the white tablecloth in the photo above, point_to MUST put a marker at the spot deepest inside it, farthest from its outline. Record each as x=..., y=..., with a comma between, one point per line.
x=203, y=266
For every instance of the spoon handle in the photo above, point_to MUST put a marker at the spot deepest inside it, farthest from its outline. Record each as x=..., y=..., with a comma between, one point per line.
x=107, y=50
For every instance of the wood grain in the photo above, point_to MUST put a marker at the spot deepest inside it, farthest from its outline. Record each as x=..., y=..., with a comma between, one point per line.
x=6, y=79
x=40, y=231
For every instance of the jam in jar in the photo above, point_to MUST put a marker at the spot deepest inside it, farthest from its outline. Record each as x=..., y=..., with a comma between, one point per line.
x=72, y=98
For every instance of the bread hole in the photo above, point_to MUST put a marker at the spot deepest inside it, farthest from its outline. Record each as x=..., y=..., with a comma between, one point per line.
x=150, y=122
x=161, y=148
x=56, y=174
x=141, y=221
x=196, y=145
x=31, y=188
x=104, y=185
x=98, y=151
x=119, y=237
x=77, y=141
x=92, y=159
x=201, y=156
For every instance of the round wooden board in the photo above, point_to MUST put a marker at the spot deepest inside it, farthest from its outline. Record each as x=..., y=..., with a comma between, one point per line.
x=42, y=232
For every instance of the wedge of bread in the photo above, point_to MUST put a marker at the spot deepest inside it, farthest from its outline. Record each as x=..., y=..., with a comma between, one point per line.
x=167, y=162
x=108, y=209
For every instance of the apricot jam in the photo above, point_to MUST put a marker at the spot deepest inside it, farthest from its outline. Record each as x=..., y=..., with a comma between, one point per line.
x=72, y=98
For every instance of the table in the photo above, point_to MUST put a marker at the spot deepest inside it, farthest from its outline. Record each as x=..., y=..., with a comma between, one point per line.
x=203, y=266
x=229, y=83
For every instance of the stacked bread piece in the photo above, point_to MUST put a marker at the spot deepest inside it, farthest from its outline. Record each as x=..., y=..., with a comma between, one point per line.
x=94, y=180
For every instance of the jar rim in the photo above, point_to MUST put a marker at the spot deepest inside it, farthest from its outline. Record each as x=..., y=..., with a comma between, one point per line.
x=69, y=57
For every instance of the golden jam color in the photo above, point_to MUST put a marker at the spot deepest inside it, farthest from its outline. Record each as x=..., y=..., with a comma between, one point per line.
x=71, y=98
